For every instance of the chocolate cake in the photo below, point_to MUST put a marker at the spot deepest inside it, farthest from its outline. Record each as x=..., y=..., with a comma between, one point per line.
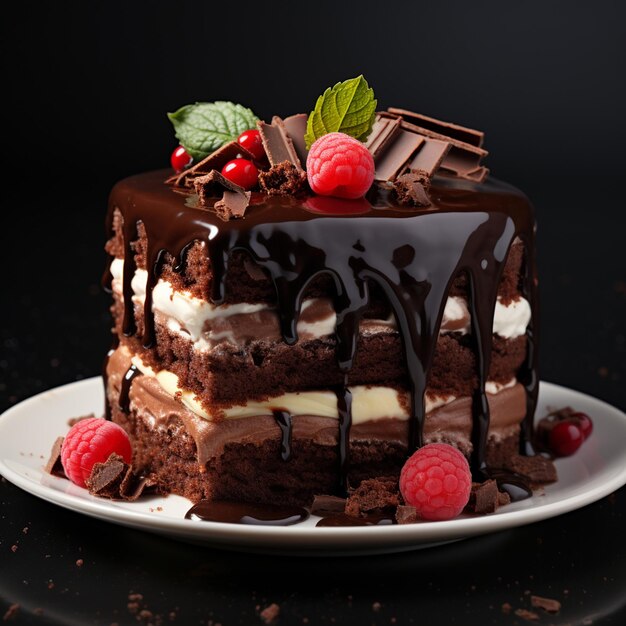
x=275, y=344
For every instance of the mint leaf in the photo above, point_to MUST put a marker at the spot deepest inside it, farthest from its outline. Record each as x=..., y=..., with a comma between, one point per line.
x=204, y=127
x=348, y=107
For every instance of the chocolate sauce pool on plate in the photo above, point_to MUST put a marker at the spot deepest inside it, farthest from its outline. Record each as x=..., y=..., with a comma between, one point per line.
x=246, y=513
x=412, y=254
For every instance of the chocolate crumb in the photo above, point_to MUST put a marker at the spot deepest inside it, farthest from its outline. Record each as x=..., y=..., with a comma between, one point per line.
x=324, y=505
x=411, y=189
x=530, y=616
x=284, y=178
x=538, y=469
x=406, y=514
x=54, y=465
x=270, y=613
x=14, y=548
x=373, y=495
x=79, y=562
x=506, y=608
x=550, y=605
x=376, y=606
x=11, y=612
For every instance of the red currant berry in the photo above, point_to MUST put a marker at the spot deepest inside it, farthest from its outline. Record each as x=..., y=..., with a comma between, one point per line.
x=180, y=159
x=565, y=438
x=251, y=141
x=584, y=423
x=241, y=172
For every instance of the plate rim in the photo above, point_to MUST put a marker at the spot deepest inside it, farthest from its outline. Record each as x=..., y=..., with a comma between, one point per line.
x=242, y=534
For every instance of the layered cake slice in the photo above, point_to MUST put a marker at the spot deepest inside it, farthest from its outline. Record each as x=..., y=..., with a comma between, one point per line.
x=277, y=337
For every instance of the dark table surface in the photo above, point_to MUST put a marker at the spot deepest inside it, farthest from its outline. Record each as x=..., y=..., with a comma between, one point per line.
x=55, y=331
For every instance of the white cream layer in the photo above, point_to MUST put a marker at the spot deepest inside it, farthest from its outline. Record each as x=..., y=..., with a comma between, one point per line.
x=188, y=316
x=369, y=403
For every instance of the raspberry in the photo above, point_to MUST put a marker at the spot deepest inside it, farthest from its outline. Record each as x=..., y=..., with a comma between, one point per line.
x=339, y=165
x=92, y=441
x=436, y=480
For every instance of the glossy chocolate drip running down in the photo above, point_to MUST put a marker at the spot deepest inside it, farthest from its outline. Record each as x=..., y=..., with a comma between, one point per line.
x=413, y=254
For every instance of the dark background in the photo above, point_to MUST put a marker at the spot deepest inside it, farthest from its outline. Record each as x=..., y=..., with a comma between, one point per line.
x=85, y=92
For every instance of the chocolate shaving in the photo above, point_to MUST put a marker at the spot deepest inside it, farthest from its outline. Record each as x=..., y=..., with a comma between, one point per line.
x=278, y=145
x=105, y=478
x=394, y=160
x=295, y=126
x=283, y=179
x=235, y=199
x=215, y=161
x=116, y=480
x=463, y=158
x=233, y=204
x=325, y=505
x=373, y=495
x=430, y=156
x=54, y=465
x=447, y=129
x=406, y=514
x=549, y=605
x=383, y=131
x=133, y=486
x=530, y=616
x=410, y=189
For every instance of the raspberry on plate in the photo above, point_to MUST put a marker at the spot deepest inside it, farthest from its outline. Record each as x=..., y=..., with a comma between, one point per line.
x=339, y=165
x=437, y=481
x=92, y=441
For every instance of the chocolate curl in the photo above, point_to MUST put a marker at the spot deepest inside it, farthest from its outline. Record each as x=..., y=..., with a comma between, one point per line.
x=465, y=154
x=235, y=199
x=278, y=145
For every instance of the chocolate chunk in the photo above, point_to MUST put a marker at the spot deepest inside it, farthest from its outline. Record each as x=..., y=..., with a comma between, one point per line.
x=394, y=160
x=383, y=131
x=54, y=465
x=325, y=505
x=430, y=156
x=235, y=199
x=233, y=204
x=547, y=604
x=503, y=498
x=283, y=179
x=373, y=495
x=465, y=154
x=215, y=161
x=105, y=478
x=406, y=514
x=448, y=129
x=485, y=497
x=278, y=145
x=295, y=126
x=410, y=189
x=538, y=469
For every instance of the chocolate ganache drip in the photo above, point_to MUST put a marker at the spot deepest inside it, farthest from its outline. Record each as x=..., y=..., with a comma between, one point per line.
x=412, y=253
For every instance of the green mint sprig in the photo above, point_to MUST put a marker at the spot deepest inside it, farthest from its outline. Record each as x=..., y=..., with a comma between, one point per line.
x=204, y=127
x=348, y=107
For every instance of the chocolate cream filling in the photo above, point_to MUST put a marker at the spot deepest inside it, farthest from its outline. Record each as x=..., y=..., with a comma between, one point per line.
x=451, y=423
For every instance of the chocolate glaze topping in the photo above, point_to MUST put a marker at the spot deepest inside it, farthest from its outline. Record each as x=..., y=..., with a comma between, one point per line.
x=283, y=419
x=127, y=381
x=246, y=513
x=412, y=253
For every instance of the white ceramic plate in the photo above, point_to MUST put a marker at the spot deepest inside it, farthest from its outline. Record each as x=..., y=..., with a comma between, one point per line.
x=28, y=430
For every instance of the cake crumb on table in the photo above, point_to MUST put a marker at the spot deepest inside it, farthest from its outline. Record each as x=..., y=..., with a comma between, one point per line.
x=11, y=612
x=270, y=613
x=531, y=616
x=549, y=605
